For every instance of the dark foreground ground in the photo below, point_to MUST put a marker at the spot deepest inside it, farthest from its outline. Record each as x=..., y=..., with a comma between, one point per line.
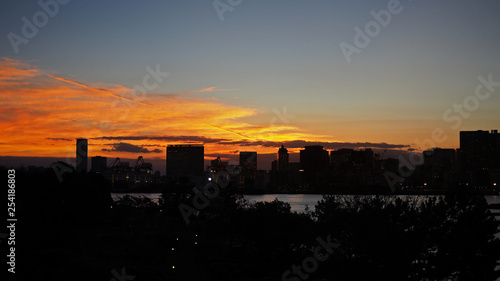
x=71, y=230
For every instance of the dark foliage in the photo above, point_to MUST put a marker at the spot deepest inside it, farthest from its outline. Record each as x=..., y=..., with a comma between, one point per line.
x=391, y=238
x=72, y=230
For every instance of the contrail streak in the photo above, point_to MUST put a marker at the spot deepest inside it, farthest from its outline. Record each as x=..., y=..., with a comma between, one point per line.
x=100, y=90
x=231, y=131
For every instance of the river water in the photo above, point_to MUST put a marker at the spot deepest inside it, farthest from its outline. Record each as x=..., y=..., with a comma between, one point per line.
x=298, y=202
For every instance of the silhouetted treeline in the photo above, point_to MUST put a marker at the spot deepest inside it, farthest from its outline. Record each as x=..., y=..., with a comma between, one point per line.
x=394, y=238
x=71, y=229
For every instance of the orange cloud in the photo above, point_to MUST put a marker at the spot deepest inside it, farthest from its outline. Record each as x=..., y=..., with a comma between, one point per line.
x=12, y=71
x=214, y=89
x=41, y=114
x=95, y=89
x=40, y=111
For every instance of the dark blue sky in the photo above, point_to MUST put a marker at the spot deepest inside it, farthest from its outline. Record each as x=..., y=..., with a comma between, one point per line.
x=266, y=55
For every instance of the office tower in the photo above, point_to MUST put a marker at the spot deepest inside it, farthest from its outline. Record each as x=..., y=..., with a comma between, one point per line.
x=479, y=150
x=347, y=159
x=342, y=159
x=282, y=158
x=479, y=158
x=390, y=165
x=438, y=167
x=314, y=163
x=440, y=156
x=314, y=159
x=364, y=160
x=218, y=165
x=81, y=155
x=282, y=168
x=185, y=161
x=98, y=164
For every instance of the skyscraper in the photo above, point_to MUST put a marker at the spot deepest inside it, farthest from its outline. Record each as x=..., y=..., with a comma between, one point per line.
x=314, y=159
x=438, y=167
x=185, y=161
x=314, y=162
x=281, y=173
x=282, y=158
x=479, y=157
x=479, y=150
x=81, y=155
x=98, y=164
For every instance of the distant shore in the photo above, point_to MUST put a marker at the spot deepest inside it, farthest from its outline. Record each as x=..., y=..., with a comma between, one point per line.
x=263, y=192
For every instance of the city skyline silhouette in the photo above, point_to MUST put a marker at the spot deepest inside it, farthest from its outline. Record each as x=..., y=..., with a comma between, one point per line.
x=250, y=140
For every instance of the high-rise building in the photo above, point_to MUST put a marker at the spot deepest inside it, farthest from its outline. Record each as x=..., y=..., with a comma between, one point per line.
x=314, y=163
x=281, y=174
x=81, y=155
x=479, y=150
x=283, y=159
x=314, y=159
x=342, y=159
x=98, y=164
x=185, y=160
x=218, y=165
x=479, y=157
x=346, y=159
x=438, y=167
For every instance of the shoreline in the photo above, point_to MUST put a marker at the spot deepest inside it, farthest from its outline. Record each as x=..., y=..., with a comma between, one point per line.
x=409, y=192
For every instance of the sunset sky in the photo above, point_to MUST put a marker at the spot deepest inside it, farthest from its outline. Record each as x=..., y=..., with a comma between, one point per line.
x=250, y=78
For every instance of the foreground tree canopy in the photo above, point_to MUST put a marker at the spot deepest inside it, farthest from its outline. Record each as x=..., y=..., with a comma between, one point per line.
x=403, y=238
x=75, y=223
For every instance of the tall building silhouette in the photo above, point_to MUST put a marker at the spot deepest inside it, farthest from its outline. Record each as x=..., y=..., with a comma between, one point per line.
x=283, y=158
x=98, y=164
x=314, y=159
x=346, y=159
x=314, y=162
x=479, y=156
x=479, y=149
x=81, y=155
x=342, y=159
x=438, y=168
x=186, y=161
x=281, y=173
x=218, y=165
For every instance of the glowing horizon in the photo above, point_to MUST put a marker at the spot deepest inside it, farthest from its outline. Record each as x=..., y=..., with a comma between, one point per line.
x=246, y=84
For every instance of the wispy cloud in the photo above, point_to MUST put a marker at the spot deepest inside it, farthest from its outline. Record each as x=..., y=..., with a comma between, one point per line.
x=127, y=147
x=272, y=144
x=13, y=71
x=39, y=108
x=214, y=89
x=60, y=139
x=98, y=90
x=41, y=114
